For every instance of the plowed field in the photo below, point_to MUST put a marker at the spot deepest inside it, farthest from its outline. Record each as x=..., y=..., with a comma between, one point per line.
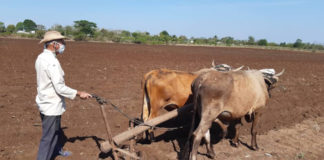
x=291, y=126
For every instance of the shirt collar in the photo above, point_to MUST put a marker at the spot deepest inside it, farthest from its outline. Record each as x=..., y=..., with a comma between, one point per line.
x=50, y=52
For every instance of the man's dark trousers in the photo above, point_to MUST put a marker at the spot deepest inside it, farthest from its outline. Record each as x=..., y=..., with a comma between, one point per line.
x=51, y=134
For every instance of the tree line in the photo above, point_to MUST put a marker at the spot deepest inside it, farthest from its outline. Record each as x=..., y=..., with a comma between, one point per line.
x=84, y=30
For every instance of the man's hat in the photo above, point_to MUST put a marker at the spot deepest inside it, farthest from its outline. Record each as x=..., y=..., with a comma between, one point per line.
x=51, y=35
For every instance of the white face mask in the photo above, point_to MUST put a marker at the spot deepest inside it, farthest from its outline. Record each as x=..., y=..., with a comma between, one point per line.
x=61, y=49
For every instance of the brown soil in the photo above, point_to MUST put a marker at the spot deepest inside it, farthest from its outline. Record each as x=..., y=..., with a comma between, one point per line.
x=291, y=127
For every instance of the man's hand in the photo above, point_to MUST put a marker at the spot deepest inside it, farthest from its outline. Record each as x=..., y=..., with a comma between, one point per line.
x=83, y=95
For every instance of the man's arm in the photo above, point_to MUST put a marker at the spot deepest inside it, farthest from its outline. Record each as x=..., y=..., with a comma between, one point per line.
x=59, y=84
x=83, y=95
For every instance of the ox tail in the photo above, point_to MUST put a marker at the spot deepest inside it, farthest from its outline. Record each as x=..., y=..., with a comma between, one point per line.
x=146, y=101
x=195, y=113
x=147, y=106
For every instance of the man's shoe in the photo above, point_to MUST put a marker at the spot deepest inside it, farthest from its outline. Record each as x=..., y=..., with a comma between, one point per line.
x=64, y=153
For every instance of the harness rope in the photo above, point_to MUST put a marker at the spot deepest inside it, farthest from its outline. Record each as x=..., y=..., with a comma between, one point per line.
x=102, y=101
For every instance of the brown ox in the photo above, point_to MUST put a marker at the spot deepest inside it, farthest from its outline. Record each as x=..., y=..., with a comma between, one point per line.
x=169, y=89
x=237, y=94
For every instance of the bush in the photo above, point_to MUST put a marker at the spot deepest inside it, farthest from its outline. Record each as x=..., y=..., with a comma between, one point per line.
x=298, y=44
x=79, y=36
x=262, y=42
x=251, y=41
x=2, y=27
x=11, y=28
x=39, y=34
x=116, y=39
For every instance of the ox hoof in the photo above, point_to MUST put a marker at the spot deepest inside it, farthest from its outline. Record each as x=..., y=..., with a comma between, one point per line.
x=211, y=155
x=255, y=148
x=235, y=144
x=151, y=137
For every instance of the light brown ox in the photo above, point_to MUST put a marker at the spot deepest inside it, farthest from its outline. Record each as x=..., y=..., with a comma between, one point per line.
x=236, y=93
x=169, y=89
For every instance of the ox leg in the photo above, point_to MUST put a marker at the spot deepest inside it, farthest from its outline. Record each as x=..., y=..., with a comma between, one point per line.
x=237, y=125
x=204, y=125
x=255, y=120
x=223, y=127
x=209, y=147
x=150, y=133
x=147, y=115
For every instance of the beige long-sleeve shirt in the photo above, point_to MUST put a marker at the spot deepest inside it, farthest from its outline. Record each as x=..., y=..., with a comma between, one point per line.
x=51, y=88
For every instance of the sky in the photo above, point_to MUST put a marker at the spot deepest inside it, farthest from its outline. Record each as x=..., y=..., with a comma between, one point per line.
x=275, y=20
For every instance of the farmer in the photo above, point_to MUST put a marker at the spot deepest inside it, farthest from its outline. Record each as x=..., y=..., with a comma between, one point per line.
x=51, y=91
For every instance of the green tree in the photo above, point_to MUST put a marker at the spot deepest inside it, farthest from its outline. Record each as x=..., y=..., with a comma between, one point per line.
x=2, y=27
x=200, y=40
x=29, y=25
x=11, y=28
x=59, y=28
x=282, y=44
x=68, y=30
x=19, y=26
x=182, y=39
x=85, y=27
x=262, y=42
x=164, y=35
x=140, y=38
x=298, y=44
x=213, y=40
x=105, y=33
x=251, y=40
x=125, y=34
x=40, y=27
x=174, y=38
x=228, y=40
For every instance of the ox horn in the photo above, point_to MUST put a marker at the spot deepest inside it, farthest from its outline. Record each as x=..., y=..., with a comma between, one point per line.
x=279, y=74
x=213, y=63
x=237, y=69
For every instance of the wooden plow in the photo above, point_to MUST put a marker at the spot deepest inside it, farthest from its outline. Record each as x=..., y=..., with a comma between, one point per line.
x=113, y=142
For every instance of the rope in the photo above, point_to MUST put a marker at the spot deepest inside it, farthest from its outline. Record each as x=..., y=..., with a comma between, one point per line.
x=102, y=101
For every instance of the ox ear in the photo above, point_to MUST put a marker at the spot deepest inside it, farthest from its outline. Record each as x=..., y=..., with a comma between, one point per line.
x=270, y=80
x=213, y=64
x=269, y=77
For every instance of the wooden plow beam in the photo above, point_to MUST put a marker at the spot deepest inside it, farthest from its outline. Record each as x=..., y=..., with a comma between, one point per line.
x=127, y=135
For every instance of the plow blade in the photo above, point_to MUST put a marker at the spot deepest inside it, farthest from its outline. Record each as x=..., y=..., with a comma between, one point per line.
x=129, y=134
